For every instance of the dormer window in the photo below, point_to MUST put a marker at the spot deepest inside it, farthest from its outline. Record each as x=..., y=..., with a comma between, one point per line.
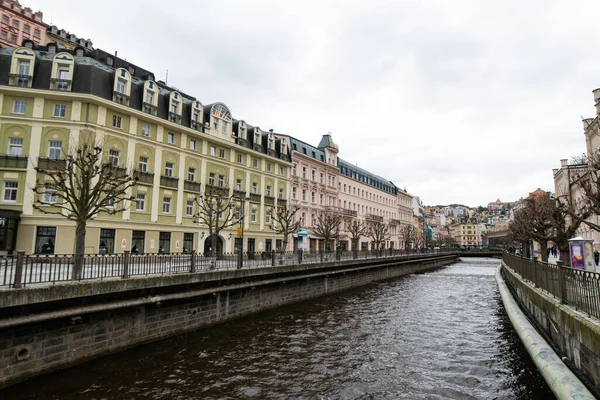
x=79, y=52
x=271, y=141
x=122, y=86
x=242, y=130
x=21, y=69
x=221, y=118
x=62, y=72
x=109, y=61
x=175, y=107
x=196, y=118
x=150, y=104
x=257, y=136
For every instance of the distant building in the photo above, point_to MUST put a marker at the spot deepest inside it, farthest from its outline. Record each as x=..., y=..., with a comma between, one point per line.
x=465, y=234
x=20, y=23
x=66, y=40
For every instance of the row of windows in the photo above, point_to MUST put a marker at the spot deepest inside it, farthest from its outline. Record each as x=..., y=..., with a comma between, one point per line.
x=368, y=195
x=58, y=110
x=366, y=179
x=313, y=175
x=17, y=24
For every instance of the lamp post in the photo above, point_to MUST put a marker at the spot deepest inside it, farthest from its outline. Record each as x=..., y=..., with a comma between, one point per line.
x=240, y=233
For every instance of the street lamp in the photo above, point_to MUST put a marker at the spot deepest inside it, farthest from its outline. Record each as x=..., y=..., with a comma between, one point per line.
x=240, y=232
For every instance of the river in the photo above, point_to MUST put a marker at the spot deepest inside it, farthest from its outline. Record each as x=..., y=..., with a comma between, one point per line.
x=439, y=335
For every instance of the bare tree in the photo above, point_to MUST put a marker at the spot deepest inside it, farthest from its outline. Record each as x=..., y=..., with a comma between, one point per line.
x=327, y=225
x=81, y=186
x=284, y=223
x=356, y=229
x=408, y=233
x=378, y=233
x=543, y=219
x=216, y=210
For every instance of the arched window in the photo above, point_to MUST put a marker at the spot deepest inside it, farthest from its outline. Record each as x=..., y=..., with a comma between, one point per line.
x=175, y=107
x=196, y=117
x=21, y=67
x=150, y=103
x=122, y=86
x=221, y=118
x=62, y=72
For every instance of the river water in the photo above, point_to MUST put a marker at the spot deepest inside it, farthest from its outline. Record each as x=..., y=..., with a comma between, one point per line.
x=439, y=335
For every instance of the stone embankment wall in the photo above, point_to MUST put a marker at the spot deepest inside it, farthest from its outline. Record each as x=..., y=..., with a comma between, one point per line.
x=573, y=334
x=47, y=328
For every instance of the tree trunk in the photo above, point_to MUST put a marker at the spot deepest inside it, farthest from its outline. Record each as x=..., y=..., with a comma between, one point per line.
x=80, y=230
x=213, y=240
x=544, y=250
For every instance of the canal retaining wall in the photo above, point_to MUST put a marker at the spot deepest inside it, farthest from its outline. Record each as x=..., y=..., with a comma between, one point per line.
x=52, y=327
x=573, y=334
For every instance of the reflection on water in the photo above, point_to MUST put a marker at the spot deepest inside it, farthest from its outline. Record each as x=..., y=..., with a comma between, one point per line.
x=440, y=335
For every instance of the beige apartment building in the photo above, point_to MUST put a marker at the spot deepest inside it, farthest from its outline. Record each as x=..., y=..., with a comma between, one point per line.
x=465, y=234
x=178, y=146
x=370, y=198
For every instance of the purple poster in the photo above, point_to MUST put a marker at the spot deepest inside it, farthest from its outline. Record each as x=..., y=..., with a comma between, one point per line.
x=577, y=260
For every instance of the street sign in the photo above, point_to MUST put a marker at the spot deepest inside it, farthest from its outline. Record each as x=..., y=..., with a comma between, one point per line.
x=240, y=231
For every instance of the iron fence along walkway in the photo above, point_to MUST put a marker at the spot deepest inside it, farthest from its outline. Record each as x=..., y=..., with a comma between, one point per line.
x=580, y=289
x=21, y=270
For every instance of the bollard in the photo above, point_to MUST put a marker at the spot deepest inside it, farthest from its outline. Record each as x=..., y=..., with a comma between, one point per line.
x=193, y=262
x=19, y=269
x=272, y=258
x=126, y=264
x=561, y=282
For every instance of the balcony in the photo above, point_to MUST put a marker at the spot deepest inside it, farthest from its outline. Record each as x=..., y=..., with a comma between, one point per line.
x=51, y=164
x=270, y=200
x=149, y=108
x=272, y=152
x=255, y=197
x=282, y=202
x=10, y=161
x=174, y=117
x=60, y=84
x=144, y=177
x=241, y=141
x=19, y=80
x=212, y=190
x=239, y=193
x=349, y=213
x=373, y=217
x=196, y=125
x=334, y=209
x=192, y=186
x=169, y=181
x=257, y=147
x=285, y=157
x=121, y=98
x=395, y=222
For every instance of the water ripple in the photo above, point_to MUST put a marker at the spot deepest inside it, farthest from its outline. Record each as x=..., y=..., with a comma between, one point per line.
x=442, y=335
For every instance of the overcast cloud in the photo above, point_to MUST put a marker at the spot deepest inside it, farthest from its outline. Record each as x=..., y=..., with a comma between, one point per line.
x=458, y=101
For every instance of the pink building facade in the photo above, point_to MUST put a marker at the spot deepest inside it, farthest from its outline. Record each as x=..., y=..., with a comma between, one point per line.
x=313, y=183
x=18, y=23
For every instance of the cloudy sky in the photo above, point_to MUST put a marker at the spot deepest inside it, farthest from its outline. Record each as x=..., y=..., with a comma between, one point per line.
x=458, y=101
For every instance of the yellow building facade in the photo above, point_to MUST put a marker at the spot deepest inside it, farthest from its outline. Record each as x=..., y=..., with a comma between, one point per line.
x=49, y=99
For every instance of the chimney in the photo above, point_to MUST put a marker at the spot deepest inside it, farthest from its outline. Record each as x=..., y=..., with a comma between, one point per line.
x=564, y=163
x=555, y=171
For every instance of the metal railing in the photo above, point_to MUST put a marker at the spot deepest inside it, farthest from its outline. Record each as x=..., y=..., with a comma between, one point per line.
x=578, y=288
x=11, y=161
x=20, y=270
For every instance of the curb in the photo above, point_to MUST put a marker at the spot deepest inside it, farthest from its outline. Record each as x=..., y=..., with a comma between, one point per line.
x=563, y=383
